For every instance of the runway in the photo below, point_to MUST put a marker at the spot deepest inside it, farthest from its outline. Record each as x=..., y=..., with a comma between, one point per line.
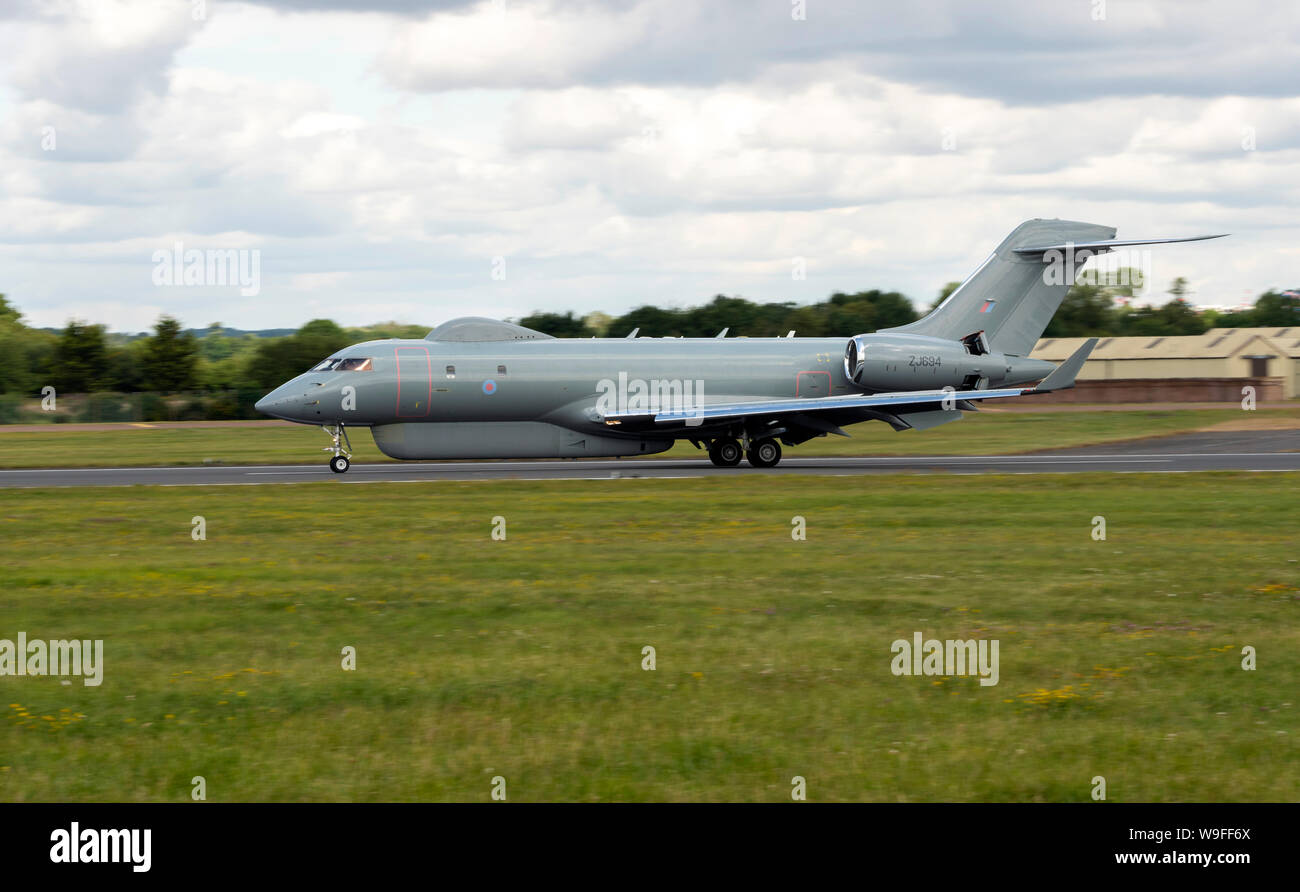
x=1237, y=451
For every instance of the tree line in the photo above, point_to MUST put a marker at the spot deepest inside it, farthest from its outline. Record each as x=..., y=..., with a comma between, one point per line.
x=1090, y=308
x=87, y=358
x=1096, y=309
x=839, y=314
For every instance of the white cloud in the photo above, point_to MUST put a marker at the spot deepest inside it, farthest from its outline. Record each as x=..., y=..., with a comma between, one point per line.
x=494, y=45
x=99, y=56
x=615, y=154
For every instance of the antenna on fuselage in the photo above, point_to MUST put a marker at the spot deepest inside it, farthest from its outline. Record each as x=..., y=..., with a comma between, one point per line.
x=632, y=334
x=723, y=333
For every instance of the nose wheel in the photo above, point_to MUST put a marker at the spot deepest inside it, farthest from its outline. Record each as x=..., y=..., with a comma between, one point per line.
x=341, y=446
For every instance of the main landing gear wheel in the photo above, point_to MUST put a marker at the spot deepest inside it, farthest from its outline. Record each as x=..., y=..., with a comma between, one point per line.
x=725, y=453
x=764, y=453
x=339, y=464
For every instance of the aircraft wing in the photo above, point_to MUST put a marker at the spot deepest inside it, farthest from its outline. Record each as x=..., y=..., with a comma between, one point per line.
x=911, y=400
x=812, y=404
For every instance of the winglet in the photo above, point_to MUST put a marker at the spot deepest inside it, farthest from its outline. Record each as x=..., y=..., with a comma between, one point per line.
x=1062, y=377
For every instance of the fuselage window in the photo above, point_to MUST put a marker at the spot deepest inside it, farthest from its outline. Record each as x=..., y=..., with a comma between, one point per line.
x=354, y=364
x=451, y=371
x=501, y=370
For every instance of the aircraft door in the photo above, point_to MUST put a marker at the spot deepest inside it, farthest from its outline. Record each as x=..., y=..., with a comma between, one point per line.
x=414, y=381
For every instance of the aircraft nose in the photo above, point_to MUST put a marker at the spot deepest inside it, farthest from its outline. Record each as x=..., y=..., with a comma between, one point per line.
x=275, y=403
x=288, y=402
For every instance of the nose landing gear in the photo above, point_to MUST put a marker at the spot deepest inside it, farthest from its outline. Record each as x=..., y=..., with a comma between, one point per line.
x=339, y=462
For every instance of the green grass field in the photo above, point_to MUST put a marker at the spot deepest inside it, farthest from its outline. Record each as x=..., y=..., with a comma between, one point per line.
x=986, y=433
x=522, y=658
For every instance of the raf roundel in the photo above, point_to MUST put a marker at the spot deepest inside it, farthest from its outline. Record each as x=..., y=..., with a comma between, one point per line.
x=489, y=387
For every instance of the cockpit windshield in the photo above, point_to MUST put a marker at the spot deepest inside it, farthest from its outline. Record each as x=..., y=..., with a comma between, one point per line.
x=348, y=364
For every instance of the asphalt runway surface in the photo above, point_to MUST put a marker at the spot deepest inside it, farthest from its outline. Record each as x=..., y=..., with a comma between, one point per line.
x=1234, y=451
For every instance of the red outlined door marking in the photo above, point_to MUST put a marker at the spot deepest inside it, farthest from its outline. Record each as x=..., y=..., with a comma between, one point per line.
x=414, y=381
x=811, y=384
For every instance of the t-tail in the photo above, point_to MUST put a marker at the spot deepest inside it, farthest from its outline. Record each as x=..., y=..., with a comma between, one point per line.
x=1013, y=294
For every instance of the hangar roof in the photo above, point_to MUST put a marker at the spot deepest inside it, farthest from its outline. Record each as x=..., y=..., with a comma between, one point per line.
x=1214, y=344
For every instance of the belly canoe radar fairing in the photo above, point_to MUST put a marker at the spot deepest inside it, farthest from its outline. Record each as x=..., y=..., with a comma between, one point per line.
x=479, y=388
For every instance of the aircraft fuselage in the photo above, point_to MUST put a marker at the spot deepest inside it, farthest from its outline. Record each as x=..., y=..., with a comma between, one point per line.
x=547, y=397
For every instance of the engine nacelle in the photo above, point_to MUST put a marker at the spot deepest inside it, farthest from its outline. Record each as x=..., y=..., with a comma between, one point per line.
x=890, y=362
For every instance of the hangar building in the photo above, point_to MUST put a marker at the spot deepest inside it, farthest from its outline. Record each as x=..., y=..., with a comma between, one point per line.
x=1212, y=367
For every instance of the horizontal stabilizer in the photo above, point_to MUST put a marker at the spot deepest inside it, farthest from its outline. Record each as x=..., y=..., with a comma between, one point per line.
x=1109, y=244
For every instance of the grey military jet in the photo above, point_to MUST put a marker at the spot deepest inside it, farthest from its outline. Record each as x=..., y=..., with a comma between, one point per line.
x=479, y=388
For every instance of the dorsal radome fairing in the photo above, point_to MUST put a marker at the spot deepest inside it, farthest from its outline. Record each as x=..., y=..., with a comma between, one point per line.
x=480, y=328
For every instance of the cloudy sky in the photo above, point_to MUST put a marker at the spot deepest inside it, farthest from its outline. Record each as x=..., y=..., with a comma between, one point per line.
x=394, y=159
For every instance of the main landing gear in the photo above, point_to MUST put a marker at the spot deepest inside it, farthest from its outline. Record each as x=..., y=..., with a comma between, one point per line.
x=764, y=453
x=727, y=452
x=339, y=463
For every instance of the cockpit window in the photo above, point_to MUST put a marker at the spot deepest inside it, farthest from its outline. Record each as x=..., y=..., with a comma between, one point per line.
x=350, y=364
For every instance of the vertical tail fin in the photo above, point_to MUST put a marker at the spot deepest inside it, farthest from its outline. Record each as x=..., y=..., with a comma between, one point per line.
x=1009, y=298
x=1015, y=293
